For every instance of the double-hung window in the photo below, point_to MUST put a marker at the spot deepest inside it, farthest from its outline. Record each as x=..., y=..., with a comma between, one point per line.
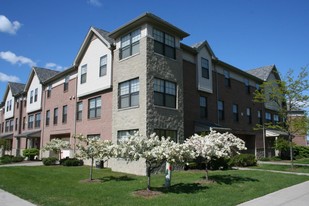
x=37, y=120
x=30, y=121
x=125, y=134
x=47, y=117
x=31, y=96
x=205, y=68
x=130, y=44
x=227, y=78
x=164, y=93
x=235, y=113
x=249, y=115
x=267, y=117
x=221, y=110
x=247, y=86
x=79, y=111
x=172, y=134
x=203, y=107
x=276, y=118
x=49, y=91
x=66, y=83
x=103, y=65
x=55, y=116
x=129, y=93
x=164, y=44
x=64, y=114
x=94, y=107
x=36, y=95
x=260, y=120
x=83, y=74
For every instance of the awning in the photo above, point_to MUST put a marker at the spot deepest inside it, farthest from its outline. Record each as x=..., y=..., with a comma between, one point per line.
x=30, y=134
x=6, y=136
x=275, y=133
x=206, y=126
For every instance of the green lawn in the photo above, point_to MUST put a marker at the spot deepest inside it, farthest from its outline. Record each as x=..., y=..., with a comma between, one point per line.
x=302, y=161
x=287, y=168
x=57, y=185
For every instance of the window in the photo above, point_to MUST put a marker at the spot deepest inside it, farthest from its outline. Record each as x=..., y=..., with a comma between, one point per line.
x=257, y=87
x=221, y=110
x=31, y=96
x=129, y=93
x=93, y=136
x=83, y=74
x=276, y=118
x=64, y=114
x=47, y=117
x=11, y=125
x=9, y=105
x=130, y=44
x=260, y=120
x=79, y=111
x=94, y=108
x=66, y=84
x=205, y=68
x=37, y=120
x=24, y=123
x=235, y=113
x=227, y=78
x=49, y=91
x=36, y=95
x=7, y=124
x=17, y=104
x=167, y=133
x=125, y=134
x=16, y=124
x=164, y=93
x=164, y=44
x=56, y=116
x=203, y=107
x=30, y=121
x=103, y=66
x=248, y=111
x=267, y=117
x=247, y=86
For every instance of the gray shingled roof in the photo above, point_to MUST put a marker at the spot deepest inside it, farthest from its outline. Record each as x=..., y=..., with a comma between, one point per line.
x=104, y=34
x=44, y=74
x=261, y=72
x=16, y=88
x=197, y=45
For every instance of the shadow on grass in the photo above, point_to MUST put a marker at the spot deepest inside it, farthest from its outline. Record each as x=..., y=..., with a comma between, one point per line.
x=188, y=188
x=231, y=179
x=113, y=178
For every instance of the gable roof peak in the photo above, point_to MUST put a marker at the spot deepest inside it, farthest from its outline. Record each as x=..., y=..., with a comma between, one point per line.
x=262, y=72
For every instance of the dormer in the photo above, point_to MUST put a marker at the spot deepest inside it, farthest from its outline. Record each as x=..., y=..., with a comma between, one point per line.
x=12, y=92
x=94, y=62
x=205, y=67
x=34, y=87
x=166, y=36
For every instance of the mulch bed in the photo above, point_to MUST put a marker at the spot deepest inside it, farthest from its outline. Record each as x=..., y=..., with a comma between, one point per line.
x=90, y=181
x=147, y=193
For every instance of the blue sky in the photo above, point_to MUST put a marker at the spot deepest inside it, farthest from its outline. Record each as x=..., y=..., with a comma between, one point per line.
x=244, y=33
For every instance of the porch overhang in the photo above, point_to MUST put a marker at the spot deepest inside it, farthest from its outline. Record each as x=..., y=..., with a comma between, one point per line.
x=207, y=126
x=30, y=134
x=275, y=133
x=6, y=136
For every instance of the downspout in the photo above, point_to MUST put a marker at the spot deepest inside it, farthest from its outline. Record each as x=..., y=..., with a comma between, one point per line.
x=43, y=119
x=75, y=109
x=217, y=89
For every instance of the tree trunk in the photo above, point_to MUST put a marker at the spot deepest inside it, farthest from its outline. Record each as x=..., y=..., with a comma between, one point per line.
x=91, y=167
x=148, y=177
x=206, y=170
x=291, y=152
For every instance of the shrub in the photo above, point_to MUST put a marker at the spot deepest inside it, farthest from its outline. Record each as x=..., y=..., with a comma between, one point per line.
x=71, y=162
x=301, y=152
x=18, y=159
x=30, y=153
x=219, y=163
x=49, y=161
x=6, y=159
x=243, y=160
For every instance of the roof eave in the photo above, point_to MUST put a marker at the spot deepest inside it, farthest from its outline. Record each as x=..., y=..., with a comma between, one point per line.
x=148, y=18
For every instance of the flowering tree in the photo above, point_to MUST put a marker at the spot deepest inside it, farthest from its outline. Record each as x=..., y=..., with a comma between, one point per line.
x=212, y=145
x=154, y=150
x=56, y=145
x=94, y=148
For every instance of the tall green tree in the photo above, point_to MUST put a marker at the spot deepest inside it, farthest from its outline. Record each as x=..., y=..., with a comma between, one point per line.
x=287, y=95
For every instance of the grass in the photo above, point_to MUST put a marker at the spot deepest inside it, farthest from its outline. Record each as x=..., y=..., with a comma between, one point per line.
x=56, y=185
x=287, y=168
x=302, y=161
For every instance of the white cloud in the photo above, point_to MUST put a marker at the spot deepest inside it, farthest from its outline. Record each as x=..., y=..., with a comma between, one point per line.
x=54, y=66
x=7, y=26
x=8, y=78
x=95, y=2
x=13, y=59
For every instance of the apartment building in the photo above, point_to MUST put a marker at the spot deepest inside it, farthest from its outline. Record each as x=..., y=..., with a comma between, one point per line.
x=140, y=77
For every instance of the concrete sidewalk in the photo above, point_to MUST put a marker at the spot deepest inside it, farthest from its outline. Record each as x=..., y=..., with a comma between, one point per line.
x=34, y=163
x=297, y=195
x=8, y=199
